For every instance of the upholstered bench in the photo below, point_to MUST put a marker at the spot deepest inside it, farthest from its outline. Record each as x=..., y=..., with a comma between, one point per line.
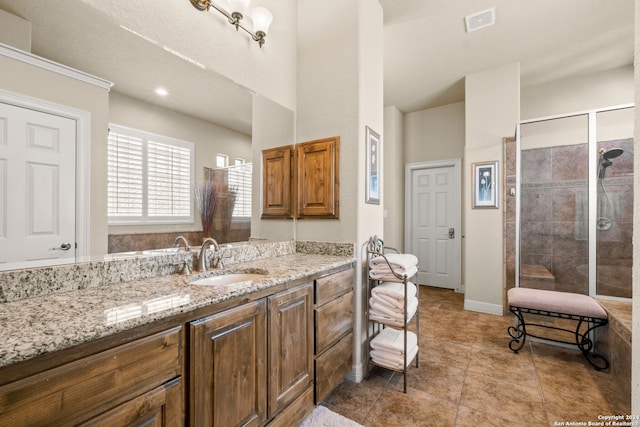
x=562, y=305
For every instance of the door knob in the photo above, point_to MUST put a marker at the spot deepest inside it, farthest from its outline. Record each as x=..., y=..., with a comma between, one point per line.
x=63, y=247
x=452, y=233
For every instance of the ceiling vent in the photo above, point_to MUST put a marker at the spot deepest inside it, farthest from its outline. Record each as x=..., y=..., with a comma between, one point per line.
x=480, y=20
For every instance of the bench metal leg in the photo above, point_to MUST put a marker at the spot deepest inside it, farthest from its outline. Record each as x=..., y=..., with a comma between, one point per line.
x=518, y=333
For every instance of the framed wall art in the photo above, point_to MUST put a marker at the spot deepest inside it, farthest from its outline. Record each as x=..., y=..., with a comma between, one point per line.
x=485, y=185
x=373, y=167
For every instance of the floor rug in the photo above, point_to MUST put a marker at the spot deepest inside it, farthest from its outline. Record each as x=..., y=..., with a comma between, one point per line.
x=323, y=417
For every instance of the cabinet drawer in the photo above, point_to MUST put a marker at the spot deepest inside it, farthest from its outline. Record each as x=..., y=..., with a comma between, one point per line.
x=333, y=320
x=72, y=393
x=329, y=287
x=161, y=406
x=332, y=366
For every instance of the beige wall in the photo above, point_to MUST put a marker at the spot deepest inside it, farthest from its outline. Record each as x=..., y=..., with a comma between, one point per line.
x=393, y=175
x=607, y=88
x=429, y=135
x=209, y=139
x=339, y=93
x=26, y=79
x=273, y=126
x=491, y=113
x=332, y=76
x=434, y=134
x=207, y=38
x=15, y=31
x=604, y=89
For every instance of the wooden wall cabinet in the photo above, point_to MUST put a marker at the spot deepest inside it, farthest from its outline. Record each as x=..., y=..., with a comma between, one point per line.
x=333, y=331
x=302, y=180
x=137, y=383
x=318, y=178
x=278, y=182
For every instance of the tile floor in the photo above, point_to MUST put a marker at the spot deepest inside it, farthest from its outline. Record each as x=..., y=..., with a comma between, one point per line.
x=468, y=377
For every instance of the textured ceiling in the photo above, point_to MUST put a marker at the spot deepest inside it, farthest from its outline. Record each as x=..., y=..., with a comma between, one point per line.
x=427, y=52
x=76, y=34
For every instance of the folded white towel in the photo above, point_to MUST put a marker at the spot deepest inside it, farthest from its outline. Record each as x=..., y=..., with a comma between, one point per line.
x=387, y=320
x=382, y=307
x=394, y=363
x=389, y=291
x=392, y=318
x=396, y=261
x=391, y=302
x=381, y=354
x=385, y=273
x=391, y=341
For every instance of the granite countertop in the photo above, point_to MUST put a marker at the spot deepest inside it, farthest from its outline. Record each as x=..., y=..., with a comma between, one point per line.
x=44, y=324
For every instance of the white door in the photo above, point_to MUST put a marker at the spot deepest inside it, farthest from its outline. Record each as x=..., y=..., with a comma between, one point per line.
x=37, y=185
x=434, y=220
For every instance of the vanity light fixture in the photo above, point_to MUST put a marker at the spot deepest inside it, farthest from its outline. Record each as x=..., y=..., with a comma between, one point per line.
x=260, y=16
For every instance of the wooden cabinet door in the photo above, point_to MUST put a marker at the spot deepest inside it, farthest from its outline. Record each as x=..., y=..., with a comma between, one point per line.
x=228, y=368
x=277, y=182
x=159, y=407
x=290, y=346
x=318, y=178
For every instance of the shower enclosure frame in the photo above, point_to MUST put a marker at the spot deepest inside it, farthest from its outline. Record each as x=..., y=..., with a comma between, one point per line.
x=592, y=190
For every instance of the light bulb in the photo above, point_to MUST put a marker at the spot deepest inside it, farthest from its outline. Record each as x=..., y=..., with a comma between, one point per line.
x=261, y=19
x=240, y=6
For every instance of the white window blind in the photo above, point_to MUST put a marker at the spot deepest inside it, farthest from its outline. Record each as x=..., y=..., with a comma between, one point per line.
x=240, y=180
x=125, y=172
x=149, y=178
x=169, y=169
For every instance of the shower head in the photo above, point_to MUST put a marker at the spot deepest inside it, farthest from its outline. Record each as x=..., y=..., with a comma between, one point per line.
x=611, y=154
x=605, y=160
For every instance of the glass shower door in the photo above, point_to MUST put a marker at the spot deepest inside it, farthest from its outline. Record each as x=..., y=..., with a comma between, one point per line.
x=614, y=221
x=554, y=204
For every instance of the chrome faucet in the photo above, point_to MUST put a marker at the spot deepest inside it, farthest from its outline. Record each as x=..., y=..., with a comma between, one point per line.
x=176, y=243
x=184, y=267
x=202, y=259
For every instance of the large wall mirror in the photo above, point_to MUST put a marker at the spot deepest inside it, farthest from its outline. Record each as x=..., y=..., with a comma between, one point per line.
x=201, y=107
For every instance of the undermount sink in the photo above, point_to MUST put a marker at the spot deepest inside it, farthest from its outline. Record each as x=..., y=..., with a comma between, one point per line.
x=227, y=279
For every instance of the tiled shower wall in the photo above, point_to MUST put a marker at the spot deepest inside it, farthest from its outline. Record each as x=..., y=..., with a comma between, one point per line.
x=554, y=217
x=554, y=227
x=509, y=162
x=615, y=257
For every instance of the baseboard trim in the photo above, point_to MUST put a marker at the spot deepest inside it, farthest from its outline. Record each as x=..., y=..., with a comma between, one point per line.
x=483, y=307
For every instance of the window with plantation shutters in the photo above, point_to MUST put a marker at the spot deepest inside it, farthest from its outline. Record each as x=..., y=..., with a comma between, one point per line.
x=124, y=176
x=150, y=178
x=240, y=181
x=169, y=193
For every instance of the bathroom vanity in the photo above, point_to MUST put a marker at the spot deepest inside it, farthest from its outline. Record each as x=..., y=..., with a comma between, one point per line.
x=163, y=351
